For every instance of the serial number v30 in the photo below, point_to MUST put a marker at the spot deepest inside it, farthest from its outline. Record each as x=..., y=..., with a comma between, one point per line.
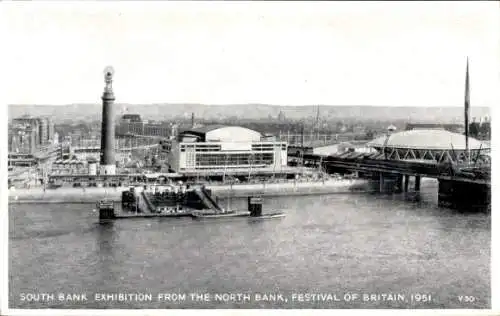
x=466, y=299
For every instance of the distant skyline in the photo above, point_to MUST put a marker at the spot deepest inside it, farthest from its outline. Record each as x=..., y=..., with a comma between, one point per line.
x=285, y=53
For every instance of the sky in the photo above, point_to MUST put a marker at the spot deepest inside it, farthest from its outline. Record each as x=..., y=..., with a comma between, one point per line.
x=283, y=53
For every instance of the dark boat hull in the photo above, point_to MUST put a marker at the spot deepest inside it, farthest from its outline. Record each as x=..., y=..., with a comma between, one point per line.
x=149, y=215
x=200, y=215
x=267, y=216
x=239, y=215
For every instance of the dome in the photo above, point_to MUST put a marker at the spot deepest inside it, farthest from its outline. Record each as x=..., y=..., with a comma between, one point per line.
x=427, y=139
x=221, y=133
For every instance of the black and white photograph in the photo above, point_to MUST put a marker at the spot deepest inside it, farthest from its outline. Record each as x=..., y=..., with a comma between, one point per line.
x=248, y=155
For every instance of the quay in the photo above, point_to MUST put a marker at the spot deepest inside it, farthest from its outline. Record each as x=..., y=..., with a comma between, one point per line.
x=290, y=187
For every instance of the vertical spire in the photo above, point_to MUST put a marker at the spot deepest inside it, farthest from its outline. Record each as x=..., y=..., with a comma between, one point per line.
x=466, y=108
x=317, y=116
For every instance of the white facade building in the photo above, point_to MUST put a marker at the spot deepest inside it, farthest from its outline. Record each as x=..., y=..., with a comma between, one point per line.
x=216, y=150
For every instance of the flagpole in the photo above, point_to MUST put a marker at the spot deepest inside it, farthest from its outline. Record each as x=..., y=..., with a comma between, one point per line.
x=466, y=111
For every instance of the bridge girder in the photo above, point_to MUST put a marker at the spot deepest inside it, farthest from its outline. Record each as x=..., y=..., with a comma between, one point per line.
x=435, y=155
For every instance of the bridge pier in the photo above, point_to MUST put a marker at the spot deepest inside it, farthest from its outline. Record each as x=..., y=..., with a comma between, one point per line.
x=406, y=182
x=463, y=195
x=389, y=183
x=381, y=182
x=399, y=185
x=417, y=183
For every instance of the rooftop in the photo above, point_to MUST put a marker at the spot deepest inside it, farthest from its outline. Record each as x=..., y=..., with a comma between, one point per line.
x=454, y=126
x=435, y=139
x=204, y=129
x=132, y=117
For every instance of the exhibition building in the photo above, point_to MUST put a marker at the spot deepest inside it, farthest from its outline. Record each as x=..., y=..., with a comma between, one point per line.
x=224, y=150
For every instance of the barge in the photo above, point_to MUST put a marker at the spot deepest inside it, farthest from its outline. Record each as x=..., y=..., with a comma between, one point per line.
x=158, y=201
x=254, y=212
x=175, y=201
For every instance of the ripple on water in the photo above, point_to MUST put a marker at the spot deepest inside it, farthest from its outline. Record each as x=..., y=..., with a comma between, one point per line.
x=325, y=243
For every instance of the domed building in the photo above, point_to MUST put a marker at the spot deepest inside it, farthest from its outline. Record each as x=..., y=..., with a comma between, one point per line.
x=428, y=144
x=224, y=150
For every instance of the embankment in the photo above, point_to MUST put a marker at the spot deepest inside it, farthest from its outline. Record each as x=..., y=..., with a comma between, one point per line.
x=92, y=195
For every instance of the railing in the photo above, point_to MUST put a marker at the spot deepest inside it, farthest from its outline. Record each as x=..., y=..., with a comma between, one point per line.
x=202, y=194
x=148, y=203
x=105, y=204
x=403, y=167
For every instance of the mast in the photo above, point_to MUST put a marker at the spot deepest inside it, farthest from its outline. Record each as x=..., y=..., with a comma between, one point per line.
x=478, y=153
x=302, y=143
x=466, y=111
x=316, y=123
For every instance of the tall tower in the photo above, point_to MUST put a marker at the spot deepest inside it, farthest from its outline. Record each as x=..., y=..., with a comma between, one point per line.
x=108, y=165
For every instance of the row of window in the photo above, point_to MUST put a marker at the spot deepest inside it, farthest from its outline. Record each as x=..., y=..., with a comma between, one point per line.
x=210, y=147
x=235, y=159
x=218, y=149
x=231, y=167
x=202, y=147
x=261, y=147
x=143, y=129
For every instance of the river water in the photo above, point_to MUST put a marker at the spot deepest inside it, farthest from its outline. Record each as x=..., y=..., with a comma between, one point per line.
x=347, y=247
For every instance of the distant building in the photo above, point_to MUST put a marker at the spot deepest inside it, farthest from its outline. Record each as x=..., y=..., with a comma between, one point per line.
x=29, y=141
x=133, y=124
x=69, y=166
x=157, y=129
x=44, y=130
x=221, y=150
x=55, y=140
x=281, y=116
x=174, y=131
x=23, y=139
x=25, y=123
x=131, y=118
x=50, y=130
x=44, y=127
x=358, y=129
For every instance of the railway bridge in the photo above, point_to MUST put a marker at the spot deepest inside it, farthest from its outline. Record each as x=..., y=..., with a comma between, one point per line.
x=464, y=174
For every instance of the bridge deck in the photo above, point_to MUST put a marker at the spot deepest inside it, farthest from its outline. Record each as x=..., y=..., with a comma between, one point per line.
x=376, y=162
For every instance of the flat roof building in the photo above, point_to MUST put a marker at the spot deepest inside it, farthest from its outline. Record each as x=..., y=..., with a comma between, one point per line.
x=221, y=150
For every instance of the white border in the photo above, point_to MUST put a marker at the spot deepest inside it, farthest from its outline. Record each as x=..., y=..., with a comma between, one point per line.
x=374, y=312
x=495, y=252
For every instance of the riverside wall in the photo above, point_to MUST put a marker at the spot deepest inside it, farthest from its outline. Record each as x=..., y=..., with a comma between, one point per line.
x=92, y=195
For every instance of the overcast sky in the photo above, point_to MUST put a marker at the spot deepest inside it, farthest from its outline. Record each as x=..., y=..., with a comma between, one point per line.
x=274, y=53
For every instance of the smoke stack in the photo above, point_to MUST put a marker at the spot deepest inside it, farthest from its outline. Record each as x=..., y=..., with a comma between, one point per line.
x=108, y=165
x=192, y=119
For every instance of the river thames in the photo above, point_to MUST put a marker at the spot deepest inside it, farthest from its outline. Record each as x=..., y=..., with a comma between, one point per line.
x=330, y=251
